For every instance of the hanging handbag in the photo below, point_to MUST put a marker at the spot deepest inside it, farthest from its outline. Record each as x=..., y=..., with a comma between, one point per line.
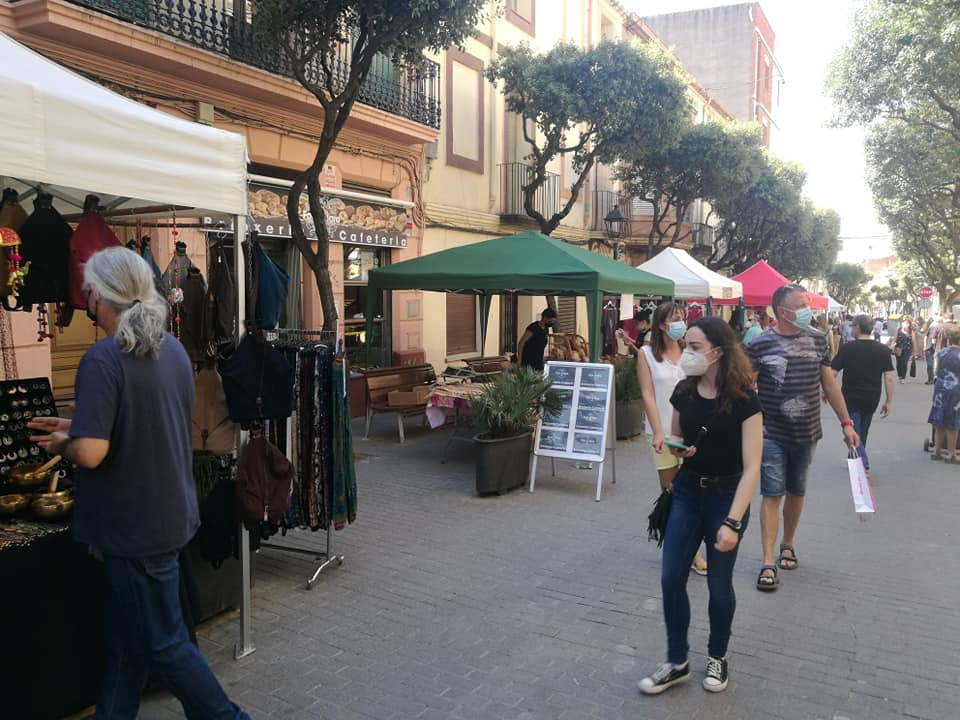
x=657, y=519
x=913, y=367
x=46, y=246
x=213, y=430
x=258, y=382
x=272, y=290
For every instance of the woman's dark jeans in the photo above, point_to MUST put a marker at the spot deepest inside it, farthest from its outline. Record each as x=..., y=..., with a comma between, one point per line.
x=696, y=515
x=903, y=362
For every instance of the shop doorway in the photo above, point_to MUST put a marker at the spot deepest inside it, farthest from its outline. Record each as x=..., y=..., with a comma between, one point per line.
x=360, y=350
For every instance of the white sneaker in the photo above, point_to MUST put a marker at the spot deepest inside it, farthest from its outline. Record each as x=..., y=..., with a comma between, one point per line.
x=716, y=679
x=664, y=677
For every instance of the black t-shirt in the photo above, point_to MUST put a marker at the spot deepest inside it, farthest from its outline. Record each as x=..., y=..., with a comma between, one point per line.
x=534, y=347
x=721, y=450
x=864, y=362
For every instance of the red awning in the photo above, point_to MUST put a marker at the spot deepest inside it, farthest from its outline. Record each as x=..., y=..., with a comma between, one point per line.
x=759, y=283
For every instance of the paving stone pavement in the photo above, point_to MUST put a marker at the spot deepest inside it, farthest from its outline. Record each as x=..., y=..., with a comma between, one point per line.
x=547, y=605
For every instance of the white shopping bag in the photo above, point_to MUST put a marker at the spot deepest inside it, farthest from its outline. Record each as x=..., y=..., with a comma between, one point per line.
x=860, y=484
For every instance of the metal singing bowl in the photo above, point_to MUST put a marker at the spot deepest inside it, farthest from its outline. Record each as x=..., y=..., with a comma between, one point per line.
x=11, y=505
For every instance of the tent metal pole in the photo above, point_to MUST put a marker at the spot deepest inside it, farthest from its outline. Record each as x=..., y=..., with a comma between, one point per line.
x=245, y=646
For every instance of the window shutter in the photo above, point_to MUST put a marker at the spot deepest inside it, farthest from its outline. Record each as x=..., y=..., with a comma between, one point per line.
x=566, y=314
x=461, y=324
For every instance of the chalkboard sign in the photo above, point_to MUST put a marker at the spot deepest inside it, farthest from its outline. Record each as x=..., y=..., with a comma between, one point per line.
x=579, y=430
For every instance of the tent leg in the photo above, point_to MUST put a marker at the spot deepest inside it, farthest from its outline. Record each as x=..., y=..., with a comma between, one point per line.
x=366, y=432
x=400, y=427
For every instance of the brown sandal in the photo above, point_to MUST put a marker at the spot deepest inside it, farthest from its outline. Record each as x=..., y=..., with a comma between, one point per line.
x=791, y=558
x=767, y=580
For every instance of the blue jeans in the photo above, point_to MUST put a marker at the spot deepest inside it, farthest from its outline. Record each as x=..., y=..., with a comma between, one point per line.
x=928, y=356
x=147, y=640
x=696, y=515
x=861, y=424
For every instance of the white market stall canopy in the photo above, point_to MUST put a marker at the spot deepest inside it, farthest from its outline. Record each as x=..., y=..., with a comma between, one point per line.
x=62, y=130
x=834, y=306
x=691, y=278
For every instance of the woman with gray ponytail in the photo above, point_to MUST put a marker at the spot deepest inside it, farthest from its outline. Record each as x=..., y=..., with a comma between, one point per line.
x=122, y=280
x=136, y=506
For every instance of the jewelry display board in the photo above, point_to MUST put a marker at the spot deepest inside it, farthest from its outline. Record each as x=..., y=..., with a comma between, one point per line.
x=20, y=401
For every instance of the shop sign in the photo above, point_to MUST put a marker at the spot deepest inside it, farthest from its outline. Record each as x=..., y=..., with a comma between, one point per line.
x=352, y=222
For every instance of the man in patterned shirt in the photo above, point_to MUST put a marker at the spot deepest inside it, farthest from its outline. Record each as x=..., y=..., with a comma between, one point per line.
x=793, y=367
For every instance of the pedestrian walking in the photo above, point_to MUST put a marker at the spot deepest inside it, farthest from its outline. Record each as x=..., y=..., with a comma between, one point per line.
x=902, y=346
x=793, y=368
x=866, y=367
x=717, y=413
x=877, y=329
x=928, y=339
x=945, y=413
x=136, y=505
x=659, y=371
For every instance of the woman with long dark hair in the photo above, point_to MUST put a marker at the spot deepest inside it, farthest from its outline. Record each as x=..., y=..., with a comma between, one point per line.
x=658, y=371
x=715, y=411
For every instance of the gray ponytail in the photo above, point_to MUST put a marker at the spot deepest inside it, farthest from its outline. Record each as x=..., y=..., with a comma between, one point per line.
x=124, y=281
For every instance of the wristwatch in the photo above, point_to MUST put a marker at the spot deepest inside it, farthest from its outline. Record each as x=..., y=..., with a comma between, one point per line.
x=735, y=525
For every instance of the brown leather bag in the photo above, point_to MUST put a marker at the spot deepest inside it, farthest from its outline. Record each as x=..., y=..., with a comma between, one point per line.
x=264, y=475
x=213, y=430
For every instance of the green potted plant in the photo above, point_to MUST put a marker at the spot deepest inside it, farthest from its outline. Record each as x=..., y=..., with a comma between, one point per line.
x=507, y=411
x=629, y=405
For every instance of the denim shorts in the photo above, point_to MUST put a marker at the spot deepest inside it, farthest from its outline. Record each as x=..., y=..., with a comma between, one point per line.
x=784, y=468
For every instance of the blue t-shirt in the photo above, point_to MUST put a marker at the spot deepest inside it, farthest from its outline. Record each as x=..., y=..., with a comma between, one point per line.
x=140, y=500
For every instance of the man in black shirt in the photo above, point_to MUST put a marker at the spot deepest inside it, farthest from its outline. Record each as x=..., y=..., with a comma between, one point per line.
x=866, y=365
x=534, y=340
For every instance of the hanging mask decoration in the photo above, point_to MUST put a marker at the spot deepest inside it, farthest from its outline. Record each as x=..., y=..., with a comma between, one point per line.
x=677, y=329
x=693, y=364
x=802, y=317
x=12, y=272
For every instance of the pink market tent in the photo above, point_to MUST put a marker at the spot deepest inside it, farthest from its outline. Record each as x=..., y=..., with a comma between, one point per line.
x=759, y=282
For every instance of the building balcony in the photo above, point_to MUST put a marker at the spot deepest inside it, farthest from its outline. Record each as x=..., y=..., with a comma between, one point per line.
x=211, y=25
x=513, y=176
x=603, y=202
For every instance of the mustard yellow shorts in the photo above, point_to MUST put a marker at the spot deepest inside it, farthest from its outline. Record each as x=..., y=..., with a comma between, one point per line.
x=663, y=460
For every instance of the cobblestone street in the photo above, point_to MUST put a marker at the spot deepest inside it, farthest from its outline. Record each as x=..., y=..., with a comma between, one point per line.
x=547, y=605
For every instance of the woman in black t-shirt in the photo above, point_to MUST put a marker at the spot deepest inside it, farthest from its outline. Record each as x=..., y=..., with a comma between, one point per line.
x=717, y=414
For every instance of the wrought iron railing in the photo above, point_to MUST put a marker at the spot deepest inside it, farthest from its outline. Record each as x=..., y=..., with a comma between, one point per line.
x=210, y=24
x=603, y=202
x=513, y=176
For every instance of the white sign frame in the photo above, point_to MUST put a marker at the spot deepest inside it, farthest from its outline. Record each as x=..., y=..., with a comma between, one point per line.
x=587, y=423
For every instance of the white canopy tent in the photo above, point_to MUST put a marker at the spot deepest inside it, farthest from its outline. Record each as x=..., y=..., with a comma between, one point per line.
x=62, y=130
x=691, y=278
x=834, y=306
x=69, y=136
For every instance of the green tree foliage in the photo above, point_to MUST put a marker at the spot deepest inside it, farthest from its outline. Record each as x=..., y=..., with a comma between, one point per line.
x=754, y=221
x=715, y=162
x=846, y=281
x=900, y=72
x=312, y=37
x=914, y=175
x=592, y=105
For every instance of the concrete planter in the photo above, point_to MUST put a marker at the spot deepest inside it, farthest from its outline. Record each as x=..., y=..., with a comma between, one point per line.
x=629, y=416
x=502, y=463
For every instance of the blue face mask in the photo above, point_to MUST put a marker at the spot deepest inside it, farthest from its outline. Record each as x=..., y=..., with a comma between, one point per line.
x=802, y=317
x=677, y=329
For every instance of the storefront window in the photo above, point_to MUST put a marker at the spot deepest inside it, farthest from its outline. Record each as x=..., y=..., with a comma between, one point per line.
x=361, y=350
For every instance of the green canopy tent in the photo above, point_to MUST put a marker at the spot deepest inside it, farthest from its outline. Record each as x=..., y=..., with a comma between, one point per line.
x=528, y=263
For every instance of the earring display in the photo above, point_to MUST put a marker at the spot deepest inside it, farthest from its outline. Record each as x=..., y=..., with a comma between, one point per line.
x=16, y=396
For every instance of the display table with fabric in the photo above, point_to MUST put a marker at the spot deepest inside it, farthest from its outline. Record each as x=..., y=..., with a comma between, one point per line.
x=52, y=610
x=451, y=400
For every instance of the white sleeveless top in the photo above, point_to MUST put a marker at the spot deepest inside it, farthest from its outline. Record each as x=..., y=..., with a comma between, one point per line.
x=665, y=376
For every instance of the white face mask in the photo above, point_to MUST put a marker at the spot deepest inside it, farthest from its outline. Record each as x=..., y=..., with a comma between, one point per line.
x=693, y=363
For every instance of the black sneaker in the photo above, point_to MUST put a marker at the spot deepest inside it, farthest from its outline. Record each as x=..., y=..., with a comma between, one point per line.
x=716, y=679
x=664, y=678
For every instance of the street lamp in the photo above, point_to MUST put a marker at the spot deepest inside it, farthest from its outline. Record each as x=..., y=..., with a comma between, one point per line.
x=616, y=226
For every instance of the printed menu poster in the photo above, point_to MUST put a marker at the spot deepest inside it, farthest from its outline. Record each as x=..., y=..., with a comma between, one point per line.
x=579, y=429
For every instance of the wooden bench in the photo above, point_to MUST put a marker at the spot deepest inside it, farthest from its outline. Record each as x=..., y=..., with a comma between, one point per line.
x=382, y=381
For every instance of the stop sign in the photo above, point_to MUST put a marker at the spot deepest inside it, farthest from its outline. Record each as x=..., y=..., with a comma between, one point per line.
x=925, y=292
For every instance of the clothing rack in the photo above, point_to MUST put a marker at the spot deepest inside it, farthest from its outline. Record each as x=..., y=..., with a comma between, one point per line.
x=327, y=556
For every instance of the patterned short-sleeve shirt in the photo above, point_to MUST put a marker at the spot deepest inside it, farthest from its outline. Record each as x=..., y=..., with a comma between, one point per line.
x=788, y=383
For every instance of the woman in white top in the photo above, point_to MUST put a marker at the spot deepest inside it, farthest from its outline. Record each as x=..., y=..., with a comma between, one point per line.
x=658, y=370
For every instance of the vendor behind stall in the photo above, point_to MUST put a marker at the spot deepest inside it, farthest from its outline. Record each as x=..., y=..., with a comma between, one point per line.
x=534, y=340
x=135, y=502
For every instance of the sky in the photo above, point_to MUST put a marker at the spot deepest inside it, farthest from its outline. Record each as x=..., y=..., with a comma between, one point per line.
x=808, y=35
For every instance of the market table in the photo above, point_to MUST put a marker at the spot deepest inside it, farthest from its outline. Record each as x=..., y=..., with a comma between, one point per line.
x=455, y=397
x=52, y=609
